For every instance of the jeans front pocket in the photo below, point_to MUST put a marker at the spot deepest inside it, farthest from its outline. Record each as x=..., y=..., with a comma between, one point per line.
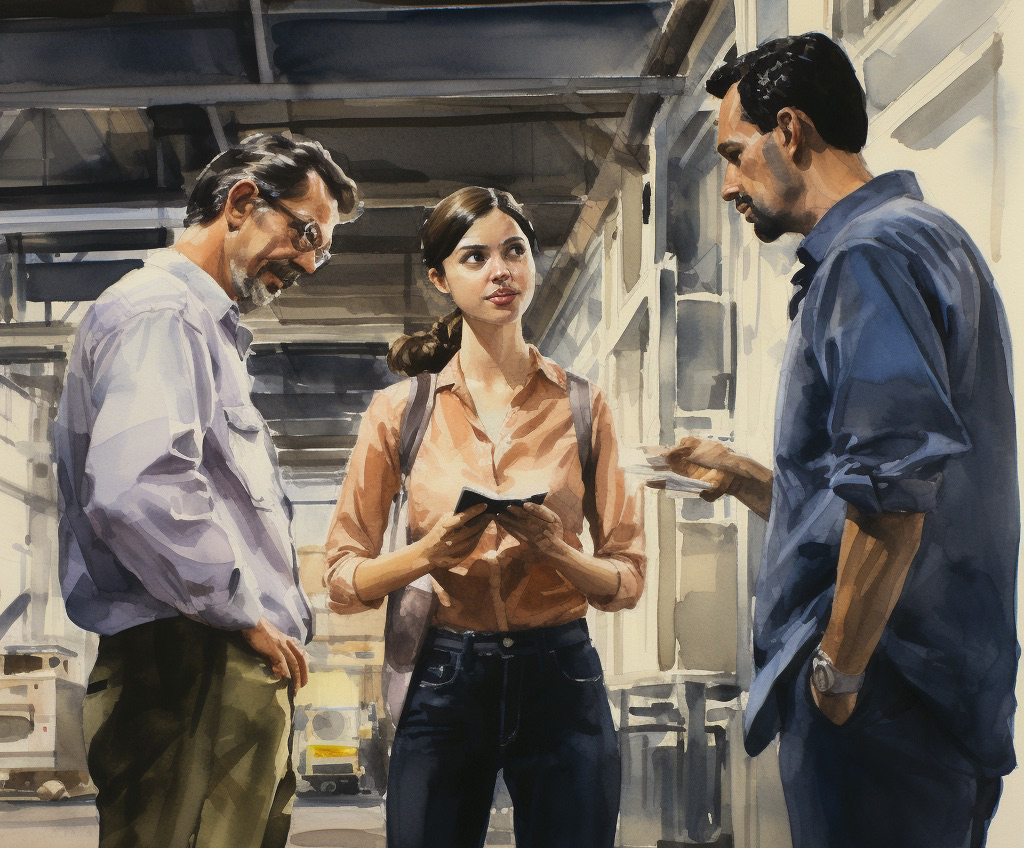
x=578, y=663
x=438, y=668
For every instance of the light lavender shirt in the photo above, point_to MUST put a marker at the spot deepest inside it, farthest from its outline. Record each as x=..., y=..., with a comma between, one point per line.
x=170, y=496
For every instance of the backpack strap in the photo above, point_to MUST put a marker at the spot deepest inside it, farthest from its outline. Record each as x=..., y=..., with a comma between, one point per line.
x=415, y=421
x=410, y=608
x=583, y=423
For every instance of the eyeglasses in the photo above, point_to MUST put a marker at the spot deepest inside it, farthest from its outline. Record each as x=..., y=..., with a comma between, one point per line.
x=308, y=236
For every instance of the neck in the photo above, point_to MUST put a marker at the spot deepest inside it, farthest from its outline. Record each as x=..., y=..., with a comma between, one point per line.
x=490, y=352
x=203, y=244
x=833, y=174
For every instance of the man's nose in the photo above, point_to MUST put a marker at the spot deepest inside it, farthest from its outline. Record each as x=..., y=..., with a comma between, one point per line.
x=730, y=186
x=306, y=261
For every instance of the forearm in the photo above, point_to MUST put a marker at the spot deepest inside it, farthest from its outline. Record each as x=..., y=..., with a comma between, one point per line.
x=375, y=578
x=593, y=576
x=752, y=486
x=874, y=559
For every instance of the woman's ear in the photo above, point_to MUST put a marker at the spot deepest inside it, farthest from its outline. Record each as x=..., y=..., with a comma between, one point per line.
x=438, y=280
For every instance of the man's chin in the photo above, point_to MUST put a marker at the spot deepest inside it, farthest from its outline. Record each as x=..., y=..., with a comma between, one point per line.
x=769, y=233
x=253, y=295
x=247, y=305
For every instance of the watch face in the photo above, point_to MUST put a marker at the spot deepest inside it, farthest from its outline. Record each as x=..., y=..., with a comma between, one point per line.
x=821, y=676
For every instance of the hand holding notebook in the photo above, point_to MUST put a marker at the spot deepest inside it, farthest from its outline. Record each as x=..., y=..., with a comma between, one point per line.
x=495, y=503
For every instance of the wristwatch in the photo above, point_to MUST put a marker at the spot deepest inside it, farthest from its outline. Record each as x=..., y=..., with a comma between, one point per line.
x=829, y=681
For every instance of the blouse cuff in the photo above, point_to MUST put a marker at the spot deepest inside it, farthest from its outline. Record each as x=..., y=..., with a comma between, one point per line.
x=344, y=596
x=618, y=599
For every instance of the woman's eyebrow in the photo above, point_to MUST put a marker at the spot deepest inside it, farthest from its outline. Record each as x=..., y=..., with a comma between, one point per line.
x=507, y=241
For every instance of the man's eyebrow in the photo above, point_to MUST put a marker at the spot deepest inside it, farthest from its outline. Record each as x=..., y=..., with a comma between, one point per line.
x=726, y=147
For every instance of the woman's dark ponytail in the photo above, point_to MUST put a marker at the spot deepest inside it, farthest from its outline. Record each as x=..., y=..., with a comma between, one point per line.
x=429, y=350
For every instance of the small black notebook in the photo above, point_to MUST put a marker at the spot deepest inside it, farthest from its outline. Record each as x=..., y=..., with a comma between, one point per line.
x=495, y=503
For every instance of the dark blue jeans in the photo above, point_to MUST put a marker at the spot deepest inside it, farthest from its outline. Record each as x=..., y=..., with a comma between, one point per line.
x=531, y=703
x=890, y=777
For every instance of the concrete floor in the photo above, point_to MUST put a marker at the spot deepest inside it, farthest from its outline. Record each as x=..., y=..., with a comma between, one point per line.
x=318, y=822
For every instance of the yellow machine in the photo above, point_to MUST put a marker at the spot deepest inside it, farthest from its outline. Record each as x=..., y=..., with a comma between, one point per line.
x=328, y=745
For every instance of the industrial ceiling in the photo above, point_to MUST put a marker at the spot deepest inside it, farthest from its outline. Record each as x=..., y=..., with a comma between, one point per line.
x=111, y=108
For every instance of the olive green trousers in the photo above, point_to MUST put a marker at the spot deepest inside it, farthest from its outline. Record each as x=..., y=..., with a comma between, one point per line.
x=189, y=738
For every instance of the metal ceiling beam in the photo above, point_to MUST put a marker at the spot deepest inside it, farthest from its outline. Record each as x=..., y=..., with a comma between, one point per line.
x=70, y=219
x=477, y=89
x=272, y=331
x=445, y=111
x=259, y=33
x=315, y=443
x=378, y=349
x=34, y=342
x=321, y=459
x=687, y=25
x=10, y=127
x=218, y=128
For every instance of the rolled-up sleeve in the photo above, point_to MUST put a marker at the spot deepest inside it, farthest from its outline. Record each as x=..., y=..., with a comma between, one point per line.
x=146, y=496
x=361, y=516
x=612, y=510
x=892, y=422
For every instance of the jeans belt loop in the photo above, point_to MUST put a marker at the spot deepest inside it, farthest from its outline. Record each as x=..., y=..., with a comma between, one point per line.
x=468, y=639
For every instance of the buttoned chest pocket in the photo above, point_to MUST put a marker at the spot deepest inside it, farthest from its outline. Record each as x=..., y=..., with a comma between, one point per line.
x=249, y=457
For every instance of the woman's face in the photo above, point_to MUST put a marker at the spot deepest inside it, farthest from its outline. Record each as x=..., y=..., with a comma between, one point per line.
x=490, y=274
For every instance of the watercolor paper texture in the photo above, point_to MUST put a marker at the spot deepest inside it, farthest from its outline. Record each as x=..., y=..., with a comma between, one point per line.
x=594, y=115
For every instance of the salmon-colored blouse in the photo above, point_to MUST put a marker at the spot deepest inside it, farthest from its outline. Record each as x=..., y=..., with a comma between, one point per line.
x=536, y=451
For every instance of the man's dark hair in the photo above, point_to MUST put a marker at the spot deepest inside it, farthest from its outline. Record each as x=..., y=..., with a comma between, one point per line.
x=278, y=165
x=808, y=72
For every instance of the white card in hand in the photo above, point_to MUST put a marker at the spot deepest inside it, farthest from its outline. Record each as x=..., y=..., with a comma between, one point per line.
x=671, y=480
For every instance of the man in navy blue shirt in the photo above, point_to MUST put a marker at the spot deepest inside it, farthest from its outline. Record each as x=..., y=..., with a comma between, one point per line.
x=884, y=622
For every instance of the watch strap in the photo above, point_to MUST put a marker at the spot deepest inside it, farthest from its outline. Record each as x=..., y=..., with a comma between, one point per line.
x=827, y=679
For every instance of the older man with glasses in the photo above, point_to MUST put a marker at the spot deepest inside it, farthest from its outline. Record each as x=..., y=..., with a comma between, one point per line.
x=175, y=529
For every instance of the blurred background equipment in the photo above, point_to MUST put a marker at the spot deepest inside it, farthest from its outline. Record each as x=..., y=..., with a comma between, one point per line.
x=42, y=749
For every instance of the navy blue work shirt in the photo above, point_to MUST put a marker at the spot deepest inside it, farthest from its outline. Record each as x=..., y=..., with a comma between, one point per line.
x=896, y=397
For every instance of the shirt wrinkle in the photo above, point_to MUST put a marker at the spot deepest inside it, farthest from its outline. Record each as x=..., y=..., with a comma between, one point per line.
x=884, y=408
x=165, y=508
x=535, y=451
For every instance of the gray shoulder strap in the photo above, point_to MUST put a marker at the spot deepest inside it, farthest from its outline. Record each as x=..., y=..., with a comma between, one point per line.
x=416, y=419
x=582, y=420
x=410, y=608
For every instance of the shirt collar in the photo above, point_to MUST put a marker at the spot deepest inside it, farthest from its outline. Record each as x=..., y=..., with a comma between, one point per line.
x=817, y=242
x=451, y=375
x=207, y=291
x=869, y=196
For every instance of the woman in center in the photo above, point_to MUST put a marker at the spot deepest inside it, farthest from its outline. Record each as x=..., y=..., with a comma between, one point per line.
x=508, y=678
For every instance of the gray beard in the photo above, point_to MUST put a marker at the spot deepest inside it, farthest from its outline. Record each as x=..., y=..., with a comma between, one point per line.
x=251, y=293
